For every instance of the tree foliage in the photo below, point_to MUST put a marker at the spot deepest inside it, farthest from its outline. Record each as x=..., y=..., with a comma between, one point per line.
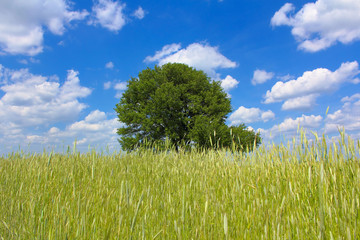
x=179, y=104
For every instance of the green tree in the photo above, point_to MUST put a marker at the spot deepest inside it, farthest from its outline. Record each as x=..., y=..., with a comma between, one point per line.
x=176, y=103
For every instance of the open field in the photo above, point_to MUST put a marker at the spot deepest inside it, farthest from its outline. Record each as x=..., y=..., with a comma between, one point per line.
x=306, y=191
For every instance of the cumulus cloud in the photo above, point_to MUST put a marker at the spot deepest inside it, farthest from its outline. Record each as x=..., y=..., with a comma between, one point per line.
x=109, y=14
x=21, y=31
x=301, y=93
x=261, y=76
x=29, y=103
x=321, y=24
x=229, y=83
x=250, y=115
x=198, y=55
x=139, y=13
x=33, y=100
x=348, y=117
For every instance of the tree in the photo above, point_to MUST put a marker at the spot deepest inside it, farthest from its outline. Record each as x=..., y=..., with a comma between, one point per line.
x=173, y=102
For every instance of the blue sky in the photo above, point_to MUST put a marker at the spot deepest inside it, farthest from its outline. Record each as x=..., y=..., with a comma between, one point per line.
x=64, y=64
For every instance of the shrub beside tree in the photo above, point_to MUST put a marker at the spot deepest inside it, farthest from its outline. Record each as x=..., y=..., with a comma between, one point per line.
x=180, y=105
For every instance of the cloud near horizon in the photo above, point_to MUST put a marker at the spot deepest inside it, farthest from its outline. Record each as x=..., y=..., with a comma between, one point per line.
x=95, y=130
x=290, y=126
x=33, y=101
x=348, y=117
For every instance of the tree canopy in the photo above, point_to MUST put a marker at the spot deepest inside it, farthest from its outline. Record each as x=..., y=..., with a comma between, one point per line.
x=180, y=104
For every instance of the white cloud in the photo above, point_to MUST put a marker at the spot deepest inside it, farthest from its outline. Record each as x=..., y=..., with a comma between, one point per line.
x=22, y=24
x=109, y=14
x=164, y=52
x=107, y=85
x=34, y=60
x=300, y=103
x=229, y=83
x=33, y=100
x=95, y=116
x=285, y=77
x=290, y=126
x=320, y=25
x=261, y=76
x=301, y=93
x=198, y=55
x=352, y=98
x=109, y=65
x=347, y=117
x=120, y=88
x=250, y=115
x=139, y=13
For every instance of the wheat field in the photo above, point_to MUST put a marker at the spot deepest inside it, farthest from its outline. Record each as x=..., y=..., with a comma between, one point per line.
x=299, y=190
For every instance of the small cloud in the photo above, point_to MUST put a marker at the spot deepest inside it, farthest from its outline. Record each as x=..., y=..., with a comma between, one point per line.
x=250, y=115
x=139, y=13
x=32, y=60
x=107, y=85
x=109, y=14
x=53, y=130
x=261, y=76
x=95, y=116
x=286, y=77
x=109, y=65
x=120, y=88
x=229, y=83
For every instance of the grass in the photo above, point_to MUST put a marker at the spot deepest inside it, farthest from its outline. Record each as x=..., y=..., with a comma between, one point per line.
x=308, y=190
